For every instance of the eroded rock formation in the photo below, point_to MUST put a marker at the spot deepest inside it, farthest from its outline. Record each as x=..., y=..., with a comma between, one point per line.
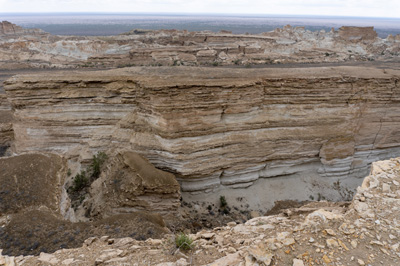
x=8, y=29
x=221, y=129
x=172, y=47
x=132, y=184
x=366, y=232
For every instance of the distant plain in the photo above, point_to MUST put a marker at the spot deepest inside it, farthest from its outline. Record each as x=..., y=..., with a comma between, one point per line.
x=101, y=24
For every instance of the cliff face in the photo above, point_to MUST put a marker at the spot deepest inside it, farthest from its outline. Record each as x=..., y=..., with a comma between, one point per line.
x=220, y=128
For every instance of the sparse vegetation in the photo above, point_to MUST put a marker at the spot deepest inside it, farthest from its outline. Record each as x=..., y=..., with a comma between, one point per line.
x=223, y=202
x=80, y=181
x=224, y=205
x=184, y=242
x=96, y=164
x=83, y=179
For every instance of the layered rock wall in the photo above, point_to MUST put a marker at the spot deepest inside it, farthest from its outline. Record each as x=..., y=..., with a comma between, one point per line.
x=219, y=128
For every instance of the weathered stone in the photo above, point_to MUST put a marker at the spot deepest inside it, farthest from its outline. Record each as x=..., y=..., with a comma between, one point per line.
x=360, y=262
x=48, y=258
x=297, y=262
x=288, y=241
x=332, y=243
x=261, y=254
x=231, y=259
x=329, y=231
x=207, y=235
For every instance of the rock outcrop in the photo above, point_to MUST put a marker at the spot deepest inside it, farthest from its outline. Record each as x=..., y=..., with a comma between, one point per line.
x=34, y=207
x=365, y=233
x=6, y=129
x=221, y=130
x=24, y=179
x=132, y=184
x=357, y=33
x=8, y=29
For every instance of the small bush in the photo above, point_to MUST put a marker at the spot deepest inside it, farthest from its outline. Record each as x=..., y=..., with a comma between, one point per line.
x=80, y=181
x=96, y=164
x=223, y=202
x=183, y=241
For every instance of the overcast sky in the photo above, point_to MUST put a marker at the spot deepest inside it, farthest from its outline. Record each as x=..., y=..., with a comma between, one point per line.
x=372, y=8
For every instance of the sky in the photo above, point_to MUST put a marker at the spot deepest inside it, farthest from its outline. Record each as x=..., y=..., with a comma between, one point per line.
x=361, y=8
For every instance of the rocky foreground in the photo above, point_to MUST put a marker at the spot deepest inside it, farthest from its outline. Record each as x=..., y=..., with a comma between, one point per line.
x=367, y=232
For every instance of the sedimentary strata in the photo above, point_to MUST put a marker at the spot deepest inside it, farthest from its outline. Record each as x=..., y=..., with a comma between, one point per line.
x=220, y=128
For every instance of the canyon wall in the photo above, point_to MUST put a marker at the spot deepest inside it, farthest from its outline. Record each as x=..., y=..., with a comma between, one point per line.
x=219, y=129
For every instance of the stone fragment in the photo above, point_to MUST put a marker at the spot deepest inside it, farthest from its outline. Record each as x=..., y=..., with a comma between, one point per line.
x=109, y=254
x=326, y=259
x=332, y=243
x=154, y=242
x=322, y=215
x=231, y=250
x=104, y=238
x=282, y=235
x=123, y=242
x=360, y=262
x=207, y=235
x=254, y=214
x=288, y=241
x=343, y=245
x=89, y=241
x=261, y=254
x=220, y=240
x=68, y=261
x=48, y=258
x=330, y=232
x=395, y=247
x=297, y=262
x=231, y=259
x=181, y=262
x=363, y=209
x=385, y=188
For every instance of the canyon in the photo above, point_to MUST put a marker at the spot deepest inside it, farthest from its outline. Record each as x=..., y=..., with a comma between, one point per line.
x=220, y=131
x=186, y=121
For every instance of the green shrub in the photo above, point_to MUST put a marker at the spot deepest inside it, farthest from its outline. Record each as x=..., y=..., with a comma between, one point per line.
x=84, y=179
x=183, y=241
x=96, y=164
x=80, y=181
x=223, y=202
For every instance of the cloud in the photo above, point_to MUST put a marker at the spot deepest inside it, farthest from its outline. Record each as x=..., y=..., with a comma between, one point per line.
x=389, y=8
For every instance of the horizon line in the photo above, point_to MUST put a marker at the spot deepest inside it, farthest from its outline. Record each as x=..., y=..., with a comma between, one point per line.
x=192, y=14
